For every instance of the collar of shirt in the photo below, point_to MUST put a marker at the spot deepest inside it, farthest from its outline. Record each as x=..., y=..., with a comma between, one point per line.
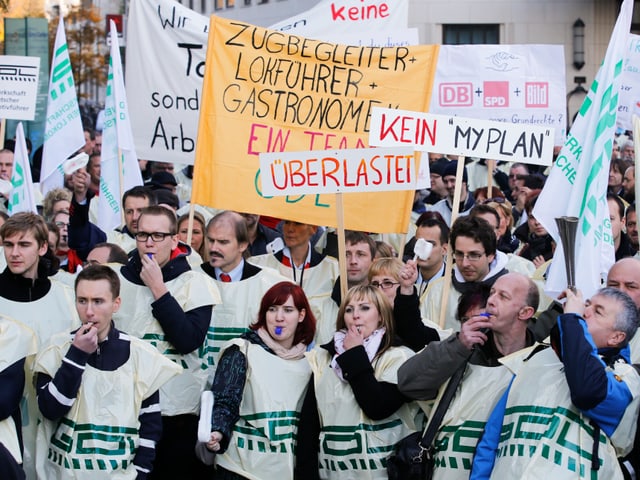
x=287, y=253
x=235, y=274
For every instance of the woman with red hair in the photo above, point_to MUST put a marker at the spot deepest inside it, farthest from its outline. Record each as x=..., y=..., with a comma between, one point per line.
x=259, y=386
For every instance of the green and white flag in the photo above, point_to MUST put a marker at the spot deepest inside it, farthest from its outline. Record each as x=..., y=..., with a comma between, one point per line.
x=64, y=133
x=577, y=184
x=21, y=198
x=119, y=170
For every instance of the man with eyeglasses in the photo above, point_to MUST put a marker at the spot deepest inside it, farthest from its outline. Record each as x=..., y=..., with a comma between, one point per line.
x=84, y=235
x=169, y=305
x=482, y=340
x=477, y=260
x=69, y=260
x=515, y=263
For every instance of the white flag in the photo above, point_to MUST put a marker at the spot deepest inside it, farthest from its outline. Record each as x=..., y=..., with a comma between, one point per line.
x=119, y=170
x=577, y=184
x=64, y=133
x=21, y=198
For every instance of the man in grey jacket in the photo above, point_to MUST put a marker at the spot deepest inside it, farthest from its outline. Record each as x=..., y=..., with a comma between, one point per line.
x=482, y=340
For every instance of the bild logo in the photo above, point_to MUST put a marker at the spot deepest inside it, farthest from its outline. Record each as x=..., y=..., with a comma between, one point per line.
x=537, y=94
x=496, y=94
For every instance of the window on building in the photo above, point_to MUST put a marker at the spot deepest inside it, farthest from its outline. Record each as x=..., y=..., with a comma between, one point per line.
x=222, y=4
x=470, y=34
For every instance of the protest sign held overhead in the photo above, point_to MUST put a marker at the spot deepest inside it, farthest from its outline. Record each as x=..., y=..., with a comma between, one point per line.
x=629, y=101
x=265, y=91
x=462, y=136
x=19, y=89
x=521, y=84
x=330, y=171
x=332, y=20
x=166, y=51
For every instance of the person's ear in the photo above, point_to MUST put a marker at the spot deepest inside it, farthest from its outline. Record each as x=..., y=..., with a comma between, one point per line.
x=616, y=338
x=526, y=312
x=116, y=304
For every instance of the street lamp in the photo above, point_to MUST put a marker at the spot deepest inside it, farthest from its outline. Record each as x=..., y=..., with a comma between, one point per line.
x=578, y=44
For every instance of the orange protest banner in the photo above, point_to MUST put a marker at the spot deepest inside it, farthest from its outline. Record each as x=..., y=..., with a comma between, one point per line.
x=265, y=91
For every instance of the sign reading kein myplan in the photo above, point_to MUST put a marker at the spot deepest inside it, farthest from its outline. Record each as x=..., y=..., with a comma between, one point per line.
x=331, y=171
x=461, y=136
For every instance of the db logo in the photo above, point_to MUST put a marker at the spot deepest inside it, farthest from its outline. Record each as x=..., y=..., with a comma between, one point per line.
x=496, y=94
x=456, y=94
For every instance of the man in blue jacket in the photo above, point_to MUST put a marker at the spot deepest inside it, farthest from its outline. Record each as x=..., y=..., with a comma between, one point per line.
x=563, y=399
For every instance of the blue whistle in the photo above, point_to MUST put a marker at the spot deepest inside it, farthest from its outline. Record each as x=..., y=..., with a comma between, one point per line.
x=278, y=330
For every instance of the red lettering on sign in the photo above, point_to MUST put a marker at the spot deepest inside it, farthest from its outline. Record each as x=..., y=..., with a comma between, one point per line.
x=363, y=12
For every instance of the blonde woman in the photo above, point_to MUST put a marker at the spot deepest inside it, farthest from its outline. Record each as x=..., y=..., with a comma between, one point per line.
x=353, y=413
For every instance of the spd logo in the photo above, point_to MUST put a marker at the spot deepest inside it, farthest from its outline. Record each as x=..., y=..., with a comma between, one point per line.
x=496, y=94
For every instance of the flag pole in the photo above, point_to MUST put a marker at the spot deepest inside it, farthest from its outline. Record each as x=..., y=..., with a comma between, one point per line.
x=3, y=128
x=121, y=177
x=342, y=247
x=448, y=267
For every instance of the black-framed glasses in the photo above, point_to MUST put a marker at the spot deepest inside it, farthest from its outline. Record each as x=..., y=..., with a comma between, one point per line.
x=155, y=236
x=385, y=284
x=472, y=256
x=61, y=224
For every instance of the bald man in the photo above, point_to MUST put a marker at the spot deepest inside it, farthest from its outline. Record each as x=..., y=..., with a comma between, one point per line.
x=482, y=342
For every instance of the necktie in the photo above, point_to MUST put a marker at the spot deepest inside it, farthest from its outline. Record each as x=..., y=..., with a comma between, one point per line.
x=225, y=278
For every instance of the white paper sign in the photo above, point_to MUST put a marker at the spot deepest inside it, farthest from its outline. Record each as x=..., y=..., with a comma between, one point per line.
x=461, y=136
x=18, y=87
x=166, y=52
x=167, y=47
x=344, y=17
x=520, y=84
x=337, y=171
x=629, y=100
